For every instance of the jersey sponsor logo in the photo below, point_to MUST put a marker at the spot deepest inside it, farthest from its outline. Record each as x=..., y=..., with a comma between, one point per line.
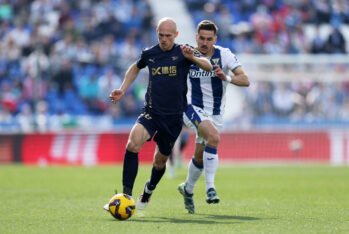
x=156, y=71
x=165, y=70
x=201, y=74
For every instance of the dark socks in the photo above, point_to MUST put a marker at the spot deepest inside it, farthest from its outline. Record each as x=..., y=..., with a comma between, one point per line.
x=155, y=178
x=130, y=171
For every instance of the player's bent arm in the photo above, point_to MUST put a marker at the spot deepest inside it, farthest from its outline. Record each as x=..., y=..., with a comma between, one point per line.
x=131, y=74
x=240, y=78
x=203, y=63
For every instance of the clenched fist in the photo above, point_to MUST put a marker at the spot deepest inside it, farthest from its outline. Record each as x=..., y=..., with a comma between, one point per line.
x=116, y=95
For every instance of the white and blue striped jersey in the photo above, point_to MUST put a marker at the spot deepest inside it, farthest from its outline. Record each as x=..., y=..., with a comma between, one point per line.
x=205, y=89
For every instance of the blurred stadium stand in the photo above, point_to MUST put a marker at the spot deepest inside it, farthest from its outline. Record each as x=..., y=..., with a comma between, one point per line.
x=59, y=60
x=178, y=11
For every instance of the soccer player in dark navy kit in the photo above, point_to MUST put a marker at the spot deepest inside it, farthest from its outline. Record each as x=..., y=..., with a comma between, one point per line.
x=165, y=102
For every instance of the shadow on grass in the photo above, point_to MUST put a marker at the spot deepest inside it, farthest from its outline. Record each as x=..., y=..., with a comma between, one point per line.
x=197, y=219
x=227, y=217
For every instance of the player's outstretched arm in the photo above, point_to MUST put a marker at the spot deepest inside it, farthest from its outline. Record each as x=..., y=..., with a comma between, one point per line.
x=130, y=75
x=202, y=62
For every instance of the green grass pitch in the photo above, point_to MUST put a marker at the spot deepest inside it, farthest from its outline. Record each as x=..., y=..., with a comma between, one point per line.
x=260, y=199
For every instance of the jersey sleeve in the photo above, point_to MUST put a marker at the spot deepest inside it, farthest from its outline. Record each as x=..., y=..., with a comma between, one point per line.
x=229, y=59
x=141, y=62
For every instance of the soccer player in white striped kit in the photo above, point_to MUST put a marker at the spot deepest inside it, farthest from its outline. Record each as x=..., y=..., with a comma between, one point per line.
x=206, y=103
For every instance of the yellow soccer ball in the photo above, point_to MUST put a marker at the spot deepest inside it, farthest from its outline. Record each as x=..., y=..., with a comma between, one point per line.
x=122, y=206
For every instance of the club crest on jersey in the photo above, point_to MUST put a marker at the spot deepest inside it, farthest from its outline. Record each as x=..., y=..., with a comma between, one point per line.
x=215, y=61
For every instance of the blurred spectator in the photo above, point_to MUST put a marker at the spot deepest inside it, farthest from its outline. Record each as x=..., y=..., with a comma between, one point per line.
x=322, y=11
x=345, y=111
x=336, y=43
x=89, y=91
x=64, y=77
x=105, y=51
x=128, y=106
x=10, y=50
x=283, y=99
x=37, y=63
x=19, y=35
x=262, y=98
x=41, y=116
x=65, y=48
x=128, y=49
x=107, y=82
x=318, y=43
x=25, y=119
x=224, y=22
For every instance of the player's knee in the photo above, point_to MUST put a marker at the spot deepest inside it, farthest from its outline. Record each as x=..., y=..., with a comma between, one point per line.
x=213, y=139
x=133, y=146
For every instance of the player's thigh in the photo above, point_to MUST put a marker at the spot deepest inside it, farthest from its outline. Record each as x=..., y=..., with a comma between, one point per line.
x=207, y=130
x=204, y=128
x=149, y=122
x=138, y=136
x=167, y=135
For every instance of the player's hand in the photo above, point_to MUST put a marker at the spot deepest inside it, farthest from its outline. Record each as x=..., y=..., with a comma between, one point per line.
x=187, y=51
x=219, y=72
x=116, y=95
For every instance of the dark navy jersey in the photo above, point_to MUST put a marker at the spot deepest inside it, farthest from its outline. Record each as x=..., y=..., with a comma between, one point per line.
x=167, y=87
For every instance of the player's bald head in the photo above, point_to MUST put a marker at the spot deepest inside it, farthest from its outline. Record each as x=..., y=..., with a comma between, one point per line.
x=167, y=32
x=167, y=24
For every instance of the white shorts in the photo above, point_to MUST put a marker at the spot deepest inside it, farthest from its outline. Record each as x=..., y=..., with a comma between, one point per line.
x=195, y=115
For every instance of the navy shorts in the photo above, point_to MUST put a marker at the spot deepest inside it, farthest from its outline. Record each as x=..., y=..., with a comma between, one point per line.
x=163, y=129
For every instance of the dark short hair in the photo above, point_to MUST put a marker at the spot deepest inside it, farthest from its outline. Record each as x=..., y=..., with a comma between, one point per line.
x=207, y=25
